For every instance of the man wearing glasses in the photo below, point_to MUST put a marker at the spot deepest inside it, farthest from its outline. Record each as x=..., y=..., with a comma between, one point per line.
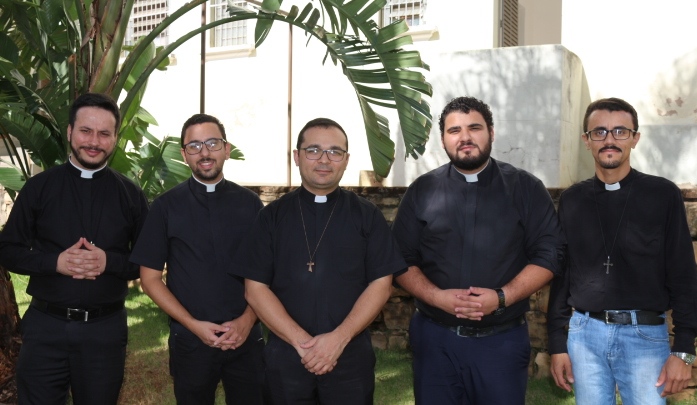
x=630, y=259
x=319, y=264
x=195, y=228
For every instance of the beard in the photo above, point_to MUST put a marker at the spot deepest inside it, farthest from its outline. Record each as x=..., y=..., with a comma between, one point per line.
x=471, y=162
x=610, y=164
x=87, y=164
x=206, y=175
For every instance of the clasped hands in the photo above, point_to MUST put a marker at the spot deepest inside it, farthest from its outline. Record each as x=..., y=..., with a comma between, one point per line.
x=470, y=303
x=320, y=354
x=228, y=335
x=82, y=261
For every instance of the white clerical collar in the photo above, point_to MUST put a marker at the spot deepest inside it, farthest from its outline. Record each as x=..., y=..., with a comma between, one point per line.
x=210, y=188
x=84, y=173
x=320, y=198
x=473, y=178
x=612, y=187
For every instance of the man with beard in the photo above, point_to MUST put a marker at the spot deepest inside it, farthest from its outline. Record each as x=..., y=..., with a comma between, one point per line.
x=479, y=237
x=630, y=259
x=71, y=230
x=195, y=228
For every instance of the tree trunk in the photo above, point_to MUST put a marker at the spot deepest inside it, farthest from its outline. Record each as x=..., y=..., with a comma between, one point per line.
x=10, y=339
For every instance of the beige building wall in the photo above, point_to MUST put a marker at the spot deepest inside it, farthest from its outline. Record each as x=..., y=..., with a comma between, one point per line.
x=639, y=50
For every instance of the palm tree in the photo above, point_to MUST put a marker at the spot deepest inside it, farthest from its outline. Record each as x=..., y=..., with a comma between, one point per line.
x=53, y=50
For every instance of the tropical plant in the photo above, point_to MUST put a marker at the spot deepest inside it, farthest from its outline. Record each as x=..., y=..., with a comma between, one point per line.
x=53, y=50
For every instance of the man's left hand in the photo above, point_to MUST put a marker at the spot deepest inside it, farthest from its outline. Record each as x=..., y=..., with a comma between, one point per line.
x=487, y=299
x=89, y=260
x=236, y=336
x=675, y=374
x=323, y=351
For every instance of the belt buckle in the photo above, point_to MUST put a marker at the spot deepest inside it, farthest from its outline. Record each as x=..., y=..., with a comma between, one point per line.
x=77, y=311
x=607, y=317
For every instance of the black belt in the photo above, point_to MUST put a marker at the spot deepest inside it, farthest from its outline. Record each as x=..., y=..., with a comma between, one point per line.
x=624, y=317
x=76, y=314
x=474, y=331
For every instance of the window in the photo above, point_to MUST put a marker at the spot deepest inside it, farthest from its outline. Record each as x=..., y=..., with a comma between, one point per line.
x=508, y=23
x=412, y=11
x=229, y=34
x=146, y=15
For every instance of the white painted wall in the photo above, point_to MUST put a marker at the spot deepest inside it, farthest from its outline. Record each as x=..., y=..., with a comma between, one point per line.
x=646, y=53
x=639, y=50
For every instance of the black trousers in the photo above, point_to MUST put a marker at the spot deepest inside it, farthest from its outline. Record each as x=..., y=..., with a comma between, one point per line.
x=58, y=355
x=352, y=382
x=197, y=369
x=454, y=370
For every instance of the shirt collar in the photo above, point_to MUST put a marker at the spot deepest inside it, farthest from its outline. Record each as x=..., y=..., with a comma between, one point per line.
x=616, y=186
x=209, y=188
x=84, y=173
x=483, y=177
x=312, y=198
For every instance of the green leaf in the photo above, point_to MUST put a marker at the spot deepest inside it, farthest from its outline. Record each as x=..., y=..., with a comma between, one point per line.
x=306, y=11
x=8, y=49
x=270, y=6
x=261, y=31
x=11, y=178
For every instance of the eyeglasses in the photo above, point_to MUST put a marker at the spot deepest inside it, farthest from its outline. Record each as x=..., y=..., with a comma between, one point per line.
x=335, y=155
x=213, y=144
x=617, y=133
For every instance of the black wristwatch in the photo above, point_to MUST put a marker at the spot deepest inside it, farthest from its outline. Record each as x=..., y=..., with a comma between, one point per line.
x=502, y=302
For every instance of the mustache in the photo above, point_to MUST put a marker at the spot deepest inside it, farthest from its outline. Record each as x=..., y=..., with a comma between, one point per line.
x=92, y=148
x=610, y=147
x=468, y=143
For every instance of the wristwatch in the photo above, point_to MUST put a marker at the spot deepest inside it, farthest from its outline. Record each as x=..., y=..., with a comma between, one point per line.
x=502, y=304
x=686, y=357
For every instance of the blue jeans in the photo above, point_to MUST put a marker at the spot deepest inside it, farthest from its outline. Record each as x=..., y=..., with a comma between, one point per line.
x=628, y=356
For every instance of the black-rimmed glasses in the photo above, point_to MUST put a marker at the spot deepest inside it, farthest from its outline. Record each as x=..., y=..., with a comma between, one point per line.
x=619, y=134
x=213, y=144
x=335, y=155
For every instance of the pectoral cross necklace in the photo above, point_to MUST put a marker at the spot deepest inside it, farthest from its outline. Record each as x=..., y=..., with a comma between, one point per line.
x=312, y=255
x=608, y=263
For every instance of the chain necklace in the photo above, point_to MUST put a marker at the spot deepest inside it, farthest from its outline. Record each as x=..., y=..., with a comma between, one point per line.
x=608, y=263
x=312, y=255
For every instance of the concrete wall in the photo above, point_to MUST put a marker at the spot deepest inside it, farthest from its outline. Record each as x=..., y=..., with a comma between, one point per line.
x=646, y=53
x=642, y=51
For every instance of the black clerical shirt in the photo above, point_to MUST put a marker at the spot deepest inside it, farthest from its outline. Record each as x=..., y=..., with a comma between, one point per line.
x=53, y=211
x=649, y=244
x=197, y=233
x=356, y=249
x=479, y=234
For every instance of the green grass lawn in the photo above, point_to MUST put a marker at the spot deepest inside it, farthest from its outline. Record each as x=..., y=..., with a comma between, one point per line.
x=147, y=379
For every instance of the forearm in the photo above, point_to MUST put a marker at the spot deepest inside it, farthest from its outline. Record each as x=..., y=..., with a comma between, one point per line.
x=117, y=264
x=527, y=282
x=418, y=285
x=270, y=310
x=23, y=260
x=366, y=309
x=155, y=288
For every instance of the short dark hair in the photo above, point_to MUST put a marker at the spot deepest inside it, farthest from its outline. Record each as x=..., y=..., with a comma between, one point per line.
x=322, y=123
x=465, y=105
x=611, y=104
x=103, y=101
x=202, y=119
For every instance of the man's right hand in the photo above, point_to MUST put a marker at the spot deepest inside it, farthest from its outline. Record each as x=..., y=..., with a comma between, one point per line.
x=208, y=332
x=458, y=302
x=65, y=264
x=561, y=371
